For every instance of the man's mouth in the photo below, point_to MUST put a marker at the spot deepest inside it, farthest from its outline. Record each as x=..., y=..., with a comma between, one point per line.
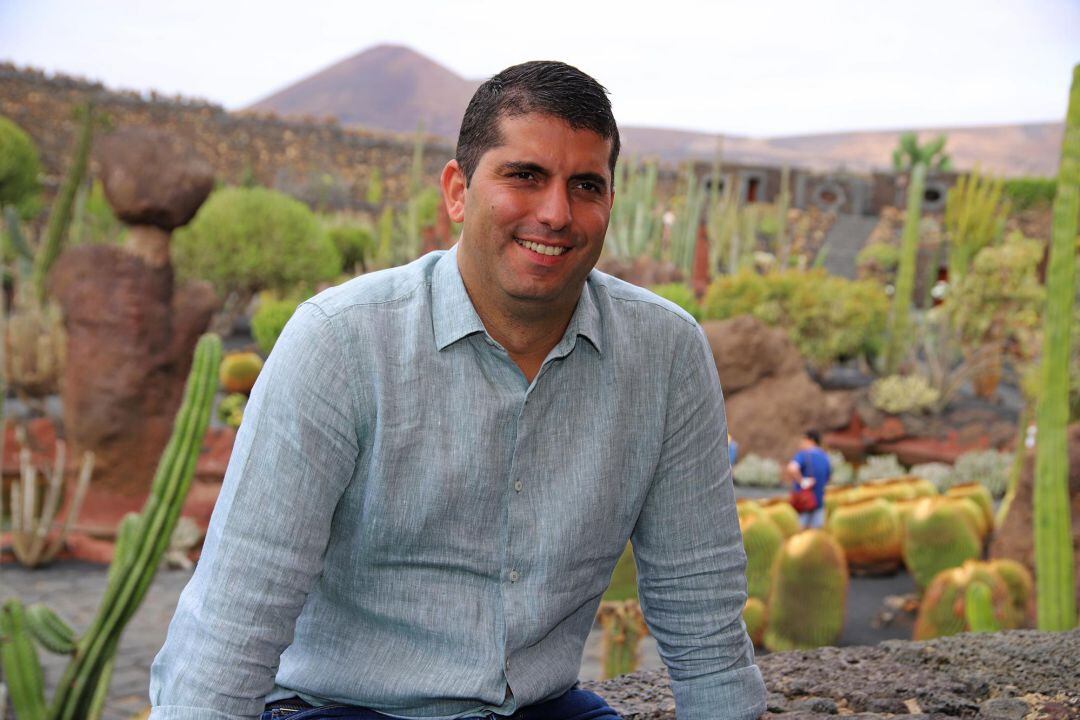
x=541, y=249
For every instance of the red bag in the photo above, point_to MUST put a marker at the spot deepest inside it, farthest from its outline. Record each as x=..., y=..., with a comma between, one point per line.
x=803, y=500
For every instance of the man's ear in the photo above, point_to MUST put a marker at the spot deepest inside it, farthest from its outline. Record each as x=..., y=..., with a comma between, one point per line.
x=452, y=182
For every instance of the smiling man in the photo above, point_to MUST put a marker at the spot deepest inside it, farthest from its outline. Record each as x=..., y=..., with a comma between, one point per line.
x=441, y=464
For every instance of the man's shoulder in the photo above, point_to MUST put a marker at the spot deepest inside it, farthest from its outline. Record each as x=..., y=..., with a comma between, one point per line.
x=631, y=302
x=379, y=289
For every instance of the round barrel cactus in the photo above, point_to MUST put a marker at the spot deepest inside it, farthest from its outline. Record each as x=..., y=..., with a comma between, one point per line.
x=1021, y=587
x=761, y=539
x=755, y=617
x=938, y=536
x=783, y=514
x=981, y=496
x=806, y=602
x=239, y=371
x=869, y=532
x=944, y=611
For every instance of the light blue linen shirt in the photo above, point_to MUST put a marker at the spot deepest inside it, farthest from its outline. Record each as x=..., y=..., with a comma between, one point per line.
x=407, y=524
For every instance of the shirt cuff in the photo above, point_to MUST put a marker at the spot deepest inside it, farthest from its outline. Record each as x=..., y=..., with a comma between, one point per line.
x=737, y=694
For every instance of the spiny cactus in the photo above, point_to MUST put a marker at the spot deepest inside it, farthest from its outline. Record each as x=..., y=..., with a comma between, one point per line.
x=141, y=542
x=938, y=537
x=806, y=603
x=239, y=372
x=1021, y=587
x=624, y=626
x=944, y=607
x=869, y=532
x=783, y=514
x=980, y=495
x=1054, y=564
x=761, y=539
x=979, y=609
x=755, y=617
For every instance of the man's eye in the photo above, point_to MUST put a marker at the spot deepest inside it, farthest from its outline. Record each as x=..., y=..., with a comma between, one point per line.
x=589, y=186
x=524, y=175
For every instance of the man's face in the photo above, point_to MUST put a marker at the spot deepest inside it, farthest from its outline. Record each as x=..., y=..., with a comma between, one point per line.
x=534, y=215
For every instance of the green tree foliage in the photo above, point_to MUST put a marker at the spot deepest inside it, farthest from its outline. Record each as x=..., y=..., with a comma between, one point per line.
x=355, y=242
x=1028, y=192
x=829, y=318
x=244, y=240
x=681, y=295
x=19, y=169
x=269, y=320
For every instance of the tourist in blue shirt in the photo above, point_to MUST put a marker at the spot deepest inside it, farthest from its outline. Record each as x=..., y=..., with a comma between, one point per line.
x=810, y=468
x=440, y=465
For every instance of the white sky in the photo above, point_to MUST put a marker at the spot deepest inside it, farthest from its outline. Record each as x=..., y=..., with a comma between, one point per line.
x=745, y=67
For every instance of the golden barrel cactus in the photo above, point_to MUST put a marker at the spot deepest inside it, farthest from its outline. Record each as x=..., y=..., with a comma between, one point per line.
x=783, y=514
x=239, y=371
x=806, y=602
x=761, y=539
x=1021, y=587
x=755, y=617
x=938, y=536
x=980, y=495
x=943, y=609
x=869, y=532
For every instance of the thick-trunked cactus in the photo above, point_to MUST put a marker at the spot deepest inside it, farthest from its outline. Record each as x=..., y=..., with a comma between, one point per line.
x=806, y=603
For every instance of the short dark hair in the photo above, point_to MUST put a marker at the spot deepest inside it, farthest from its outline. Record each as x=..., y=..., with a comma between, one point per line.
x=813, y=435
x=540, y=86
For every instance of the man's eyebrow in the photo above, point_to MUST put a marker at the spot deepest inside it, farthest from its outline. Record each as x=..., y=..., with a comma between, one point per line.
x=523, y=166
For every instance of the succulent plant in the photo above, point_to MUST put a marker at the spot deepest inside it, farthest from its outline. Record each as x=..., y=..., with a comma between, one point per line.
x=783, y=514
x=762, y=540
x=869, y=532
x=986, y=467
x=938, y=536
x=878, y=467
x=978, y=493
x=944, y=609
x=756, y=471
x=1021, y=587
x=755, y=617
x=937, y=473
x=239, y=372
x=903, y=393
x=623, y=628
x=806, y=602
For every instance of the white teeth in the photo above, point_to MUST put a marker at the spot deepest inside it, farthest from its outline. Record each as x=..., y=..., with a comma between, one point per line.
x=542, y=249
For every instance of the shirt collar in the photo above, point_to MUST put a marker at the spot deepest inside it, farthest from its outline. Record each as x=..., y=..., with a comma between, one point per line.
x=454, y=317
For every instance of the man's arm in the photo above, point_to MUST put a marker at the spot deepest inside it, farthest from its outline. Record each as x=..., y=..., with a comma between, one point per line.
x=690, y=557
x=294, y=455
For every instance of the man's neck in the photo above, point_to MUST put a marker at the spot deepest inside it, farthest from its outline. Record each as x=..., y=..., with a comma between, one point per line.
x=528, y=331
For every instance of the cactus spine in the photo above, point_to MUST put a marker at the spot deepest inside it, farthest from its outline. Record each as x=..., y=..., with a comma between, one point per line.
x=1055, y=599
x=142, y=540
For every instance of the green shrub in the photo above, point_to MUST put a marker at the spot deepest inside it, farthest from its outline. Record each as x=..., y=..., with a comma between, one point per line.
x=829, y=318
x=269, y=320
x=756, y=471
x=990, y=468
x=1026, y=192
x=903, y=393
x=354, y=242
x=250, y=239
x=878, y=467
x=681, y=295
x=19, y=169
x=878, y=258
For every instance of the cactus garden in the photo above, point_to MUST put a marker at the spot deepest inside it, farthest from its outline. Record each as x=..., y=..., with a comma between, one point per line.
x=921, y=316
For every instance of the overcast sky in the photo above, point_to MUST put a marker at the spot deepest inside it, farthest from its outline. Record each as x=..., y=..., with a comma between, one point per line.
x=746, y=67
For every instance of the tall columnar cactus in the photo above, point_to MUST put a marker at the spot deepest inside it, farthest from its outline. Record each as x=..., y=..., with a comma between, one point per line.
x=762, y=540
x=1054, y=569
x=635, y=226
x=806, y=603
x=141, y=543
x=944, y=608
x=783, y=241
x=869, y=532
x=60, y=217
x=938, y=537
x=899, y=316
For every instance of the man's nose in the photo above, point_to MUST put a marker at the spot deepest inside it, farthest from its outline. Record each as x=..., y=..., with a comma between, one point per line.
x=554, y=209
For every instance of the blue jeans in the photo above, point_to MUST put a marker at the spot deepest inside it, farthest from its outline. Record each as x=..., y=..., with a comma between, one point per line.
x=574, y=704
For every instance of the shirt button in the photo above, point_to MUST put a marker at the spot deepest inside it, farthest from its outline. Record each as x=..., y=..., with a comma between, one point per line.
x=508, y=663
x=514, y=576
x=518, y=485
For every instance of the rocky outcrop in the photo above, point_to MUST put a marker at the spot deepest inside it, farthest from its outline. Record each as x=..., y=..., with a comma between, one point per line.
x=1000, y=676
x=1015, y=539
x=770, y=398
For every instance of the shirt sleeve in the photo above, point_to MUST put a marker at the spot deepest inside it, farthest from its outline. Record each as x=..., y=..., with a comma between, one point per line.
x=689, y=553
x=294, y=454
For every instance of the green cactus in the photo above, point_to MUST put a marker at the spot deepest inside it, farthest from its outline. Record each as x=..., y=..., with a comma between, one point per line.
x=623, y=628
x=978, y=493
x=239, y=371
x=978, y=608
x=141, y=542
x=684, y=231
x=806, y=603
x=975, y=214
x=634, y=229
x=944, y=609
x=1020, y=584
x=755, y=617
x=1054, y=568
x=869, y=532
x=762, y=540
x=785, y=517
x=938, y=536
x=60, y=217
